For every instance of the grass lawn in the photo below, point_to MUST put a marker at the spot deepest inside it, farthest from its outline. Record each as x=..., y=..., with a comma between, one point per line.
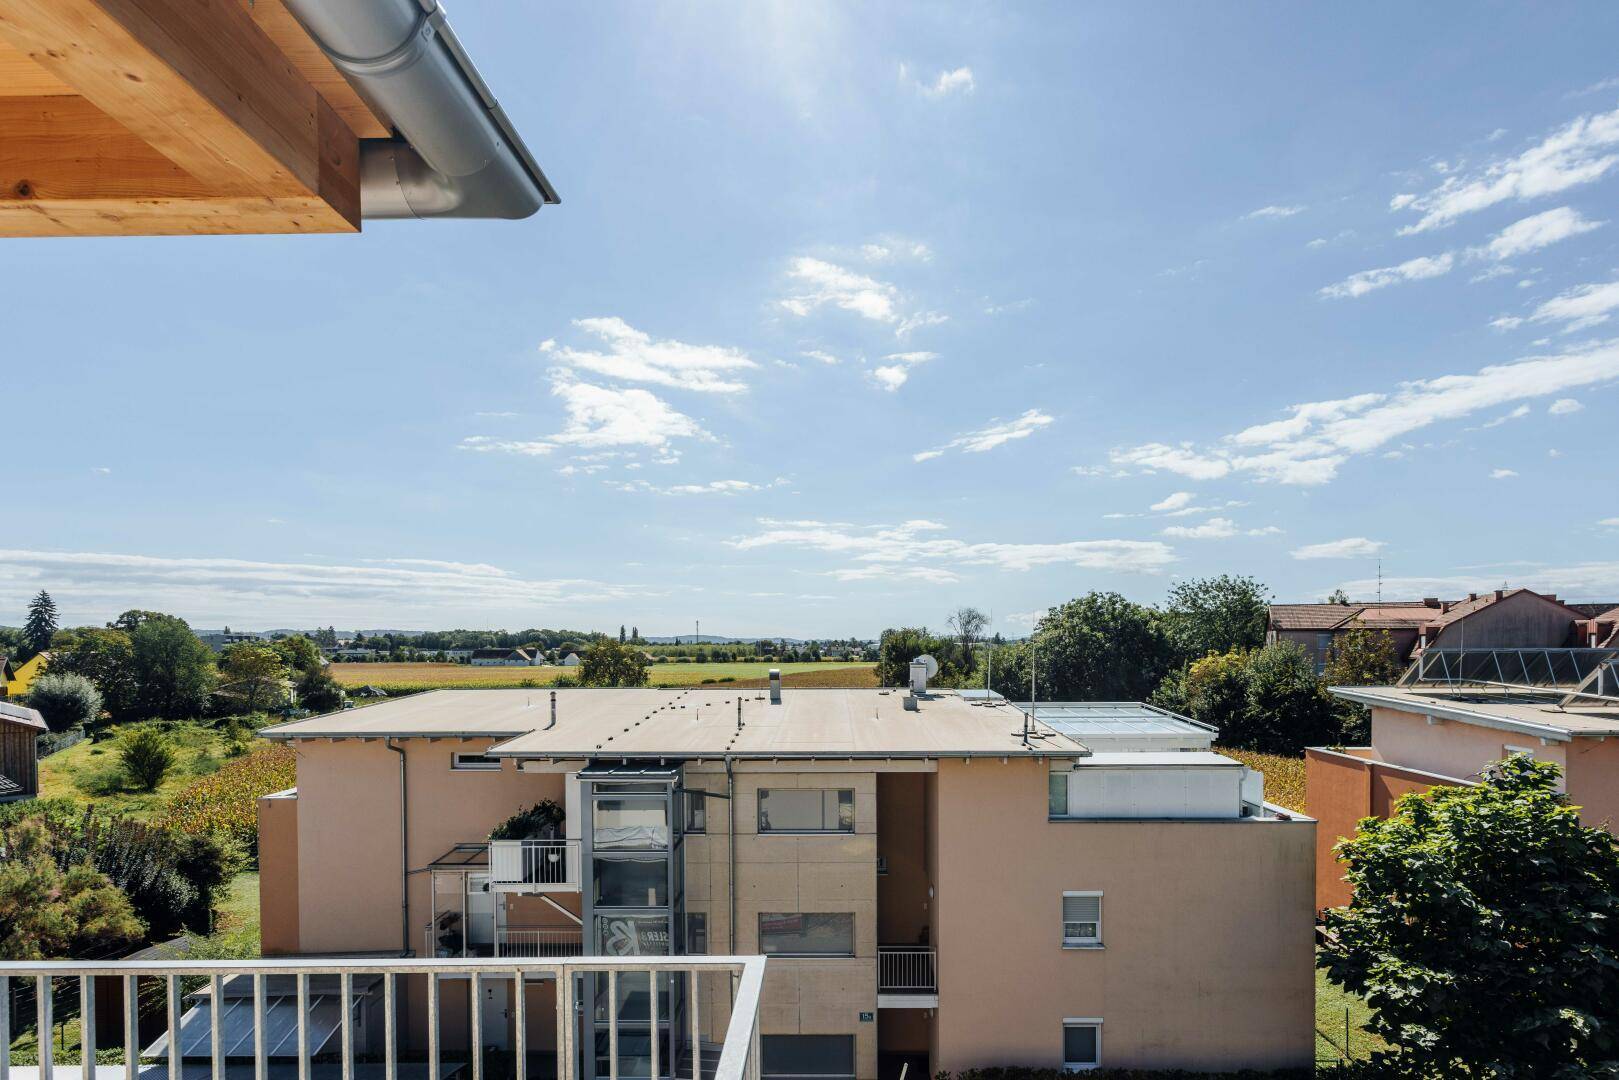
x=1330, y=1005
x=89, y=771
x=422, y=676
x=1284, y=776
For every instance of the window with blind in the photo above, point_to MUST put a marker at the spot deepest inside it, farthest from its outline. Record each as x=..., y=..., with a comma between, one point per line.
x=1081, y=918
x=1081, y=1044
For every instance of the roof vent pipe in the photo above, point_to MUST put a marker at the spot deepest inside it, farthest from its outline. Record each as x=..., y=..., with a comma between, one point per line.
x=553, y=722
x=775, y=686
x=459, y=155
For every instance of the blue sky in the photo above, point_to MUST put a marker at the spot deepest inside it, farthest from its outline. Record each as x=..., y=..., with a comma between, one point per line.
x=853, y=314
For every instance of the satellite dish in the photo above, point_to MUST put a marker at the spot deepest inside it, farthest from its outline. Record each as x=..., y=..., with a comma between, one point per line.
x=932, y=664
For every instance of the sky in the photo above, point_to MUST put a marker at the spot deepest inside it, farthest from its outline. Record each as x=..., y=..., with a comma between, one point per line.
x=854, y=314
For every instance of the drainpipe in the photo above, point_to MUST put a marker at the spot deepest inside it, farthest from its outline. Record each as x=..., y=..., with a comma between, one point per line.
x=404, y=854
x=730, y=809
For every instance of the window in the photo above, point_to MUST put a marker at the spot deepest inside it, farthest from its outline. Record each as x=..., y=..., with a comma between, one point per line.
x=1510, y=751
x=1058, y=794
x=805, y=810
x=629, y=823
x=475, y=762
x=632, y=882
x=696, y=934
x=792, y=1056
x=1081, y=918
x=796, y=933
x=696, y=811
x=633, y=935
x=1081, y=1044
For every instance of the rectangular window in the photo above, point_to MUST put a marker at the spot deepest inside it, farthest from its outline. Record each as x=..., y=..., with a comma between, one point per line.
x=697, y=934
x=1081, y=918
x=1058, y=794
x=794, y=933
x=696, y=811
x=1510, y=751
x=805, y=810
x=475, y=762
x=1081, y=1044
x=629, y=823
x=632, y=935
x=793, y=1056
x=641, y=881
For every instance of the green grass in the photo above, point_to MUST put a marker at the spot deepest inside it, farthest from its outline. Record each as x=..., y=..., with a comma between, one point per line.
x=90, y=772
x=1331, y=1001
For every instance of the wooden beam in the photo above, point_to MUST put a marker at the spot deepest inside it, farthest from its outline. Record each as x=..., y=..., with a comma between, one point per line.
x=291, y=38
x=67, y=168
x=21, y=77
x=203, y=85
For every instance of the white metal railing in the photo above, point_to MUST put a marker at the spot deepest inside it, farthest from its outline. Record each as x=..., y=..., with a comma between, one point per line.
x=739, y=1054
x=907, y=969
x=538, y=942
x=546, y=865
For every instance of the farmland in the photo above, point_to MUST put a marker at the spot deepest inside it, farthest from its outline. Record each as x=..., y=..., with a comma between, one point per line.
x=435, y=676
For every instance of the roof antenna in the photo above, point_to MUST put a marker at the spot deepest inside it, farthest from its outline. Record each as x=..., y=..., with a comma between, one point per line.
x=1380, y=579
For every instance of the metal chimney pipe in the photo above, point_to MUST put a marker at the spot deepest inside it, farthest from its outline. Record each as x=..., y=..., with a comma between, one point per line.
x=775, y=686
x=553, y=722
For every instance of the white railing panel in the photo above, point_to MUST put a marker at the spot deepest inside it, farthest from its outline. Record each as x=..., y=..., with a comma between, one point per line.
x=540, y=863
x=907, y=969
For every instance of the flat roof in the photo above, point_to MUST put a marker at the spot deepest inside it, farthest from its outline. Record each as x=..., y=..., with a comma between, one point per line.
x=1100, y=718
x=1523, y=710
x=700, y=722
x=1180, y=759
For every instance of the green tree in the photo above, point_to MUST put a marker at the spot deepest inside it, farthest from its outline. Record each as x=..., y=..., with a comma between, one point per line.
x=318, y=692
x=174, y=671
x=1484, y=931
x=254, y=676
x=1288, y=709
x=298, y=652
x=967, y=623
x=1216, y=692
x=146, y=758
x=1099, y=647
x=65, y=701
x=106, y=658
x=40, y=624
x=898, y=647
x=48, y=913
x=1217, y=614
x=611, y=663
x=1359, y=656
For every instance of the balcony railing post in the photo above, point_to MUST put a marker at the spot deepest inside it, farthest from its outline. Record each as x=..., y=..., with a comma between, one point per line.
x=303, y=1027
x=693, y=987
x=174, y=1000
x=612, y=1025
x=261, y=1052
x=566, y=1024
x=652, y=1013
x=132, y=1027
x=345, y=993
x=475, y=1024
x=520, y=1023
x=5, y=1027
x=45, y=1023
x=87, y=1029
x=216, y=1026
x=432, y=1026
x=390, y=1027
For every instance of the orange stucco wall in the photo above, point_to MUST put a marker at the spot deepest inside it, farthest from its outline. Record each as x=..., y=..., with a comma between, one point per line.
x=1593, y=780
x=278, y=875
x=1450, y=747
x=1207, y=957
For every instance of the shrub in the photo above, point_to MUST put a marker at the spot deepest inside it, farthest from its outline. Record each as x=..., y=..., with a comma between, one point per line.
x=146, y=758
x=65, y=701
x=226, y=804
x=47, y=912
x=540, y=821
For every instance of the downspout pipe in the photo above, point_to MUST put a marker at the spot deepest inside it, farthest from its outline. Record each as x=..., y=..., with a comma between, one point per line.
x=457, y=154
x=730, y=809
x=404, y=853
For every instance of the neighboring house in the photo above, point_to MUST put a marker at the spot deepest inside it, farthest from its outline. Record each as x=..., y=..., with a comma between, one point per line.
x=221, y=642
x=19, y=759
x=1506, y=618
x=571, y=660
x=19, y=678
x=938, y=881
x=8, y=675
x=503, y=658
x=1452, y=715
x=457, y=656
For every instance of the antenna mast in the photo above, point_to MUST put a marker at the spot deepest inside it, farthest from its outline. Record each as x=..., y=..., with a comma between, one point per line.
x=1380, y=579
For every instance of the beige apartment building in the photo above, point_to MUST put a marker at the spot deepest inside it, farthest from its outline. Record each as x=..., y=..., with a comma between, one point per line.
x=938, y=879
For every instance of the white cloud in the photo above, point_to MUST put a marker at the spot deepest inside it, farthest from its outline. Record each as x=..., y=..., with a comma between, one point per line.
x=1174, y=501
x=600, y=416
x=1268, y=530
x=896, y=249
x=1516, y=414
x=1354, y=547
x=1564, y=406
x=1309, y=445
x=1506, y=322
x=952, y=81
x=1574, y=154
x=916, y=545
x=1538, y=231
x=997, y=433
x=1502, y=474
x=1612, y=523
x=1580, y=307
x=1213, y=529
x=934, y=575
x=93, y=586
x=101, y=470
x=633, y=356
x=1365, y=281
x=713, y=487
x=1273, y=212
x=826, y=283
x=823, y=357
x=1592, y=579
x=893, y=375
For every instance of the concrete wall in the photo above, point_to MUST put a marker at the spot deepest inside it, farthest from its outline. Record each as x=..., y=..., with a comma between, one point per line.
x=1450, y=747
x=1207, y=957
x=1523, y=620
x=1340, y=789
x=278, y=874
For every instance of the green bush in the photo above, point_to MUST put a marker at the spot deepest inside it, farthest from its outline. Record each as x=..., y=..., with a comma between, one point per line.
x=540, y=821
x=65, y=701
x=146, y=758
x=1029, y=1072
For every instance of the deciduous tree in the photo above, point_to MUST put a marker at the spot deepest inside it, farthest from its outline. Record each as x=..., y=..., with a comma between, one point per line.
x=174, y=671
x=254, y=676
x=106, y=658
x=1484, y=931
x=1217, y=614
x=66, y=701
x=610, y=663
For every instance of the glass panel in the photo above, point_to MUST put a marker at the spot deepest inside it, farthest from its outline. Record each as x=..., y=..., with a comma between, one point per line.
x=634, y=1053
x=632, y=998
x=1079, y=1044
x=448, y=932
x=696, y=812
x=632, y=935
x=632, y=823
x=805, y=810
x=800, y=934
x=637, y=882
x=1058, y=794
x=807, y=1055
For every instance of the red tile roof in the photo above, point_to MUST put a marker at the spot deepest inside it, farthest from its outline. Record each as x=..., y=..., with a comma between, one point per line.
x=1391, y=614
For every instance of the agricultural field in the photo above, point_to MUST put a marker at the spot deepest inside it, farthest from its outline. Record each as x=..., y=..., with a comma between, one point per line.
x=435, y=676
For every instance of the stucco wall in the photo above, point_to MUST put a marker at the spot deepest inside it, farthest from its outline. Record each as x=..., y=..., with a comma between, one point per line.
x=1449, y=747
x=278, y=875
x=1207, y=960
x=1593, y=780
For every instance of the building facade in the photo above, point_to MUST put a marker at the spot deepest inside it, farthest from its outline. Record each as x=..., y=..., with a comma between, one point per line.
x=937, y=881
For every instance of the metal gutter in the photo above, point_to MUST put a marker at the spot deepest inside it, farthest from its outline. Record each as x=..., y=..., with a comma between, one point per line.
x=458, y=155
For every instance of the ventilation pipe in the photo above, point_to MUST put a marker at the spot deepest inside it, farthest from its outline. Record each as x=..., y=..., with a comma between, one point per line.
x=458, y=155
x=775, y=686
x=919, y=676
x=553, y=722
